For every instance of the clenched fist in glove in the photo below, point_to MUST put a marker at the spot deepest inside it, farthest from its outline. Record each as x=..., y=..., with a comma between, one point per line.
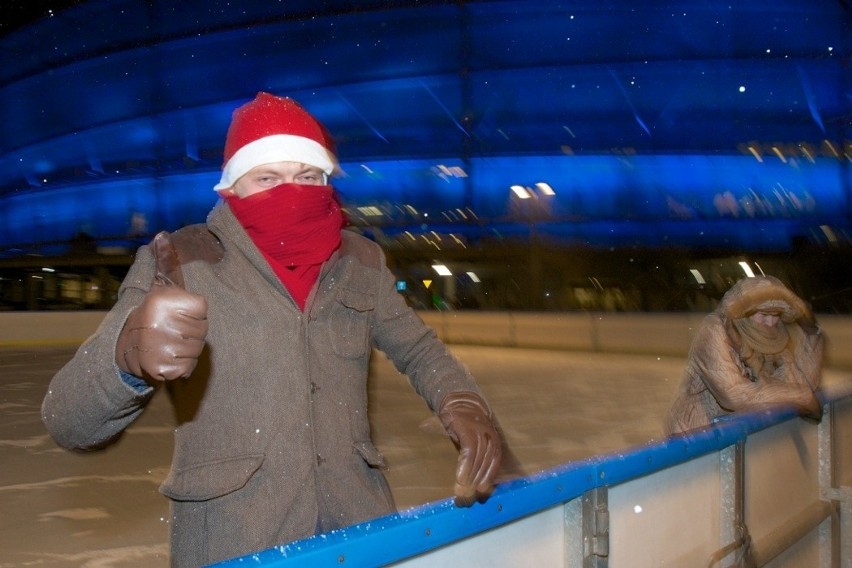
x=164, y=336
x=467, y=420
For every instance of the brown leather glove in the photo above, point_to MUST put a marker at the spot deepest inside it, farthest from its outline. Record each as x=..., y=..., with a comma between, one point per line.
x=163, y=336
x=467, y=420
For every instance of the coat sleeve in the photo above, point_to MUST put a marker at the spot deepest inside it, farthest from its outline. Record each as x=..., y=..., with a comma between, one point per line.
x=88, y=404
x=714, y=359
x=806, y=362
x=414, y=347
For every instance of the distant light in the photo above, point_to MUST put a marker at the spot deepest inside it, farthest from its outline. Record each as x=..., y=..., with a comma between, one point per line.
x=45, y=269
x=755, y=153
x=401, y=285
x=742, y=88
x=829, y=233
x=545, y=188
x=637, y=509
x=442, y=270
x=747, y=269
x=831, y=147
x=473, y=276
x=521, y=191
x=452, y=171
x=697, y=275
x=370, y=211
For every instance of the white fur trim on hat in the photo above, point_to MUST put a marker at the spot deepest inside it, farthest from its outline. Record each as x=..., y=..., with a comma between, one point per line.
x=275, y=148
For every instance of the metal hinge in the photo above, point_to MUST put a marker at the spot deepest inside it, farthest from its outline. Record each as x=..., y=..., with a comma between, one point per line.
x=596, y=528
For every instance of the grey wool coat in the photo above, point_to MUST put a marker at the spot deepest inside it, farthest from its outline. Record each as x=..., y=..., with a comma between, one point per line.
x=273, y=435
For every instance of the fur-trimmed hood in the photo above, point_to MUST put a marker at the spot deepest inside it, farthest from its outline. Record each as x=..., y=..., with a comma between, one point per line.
x=767, y=293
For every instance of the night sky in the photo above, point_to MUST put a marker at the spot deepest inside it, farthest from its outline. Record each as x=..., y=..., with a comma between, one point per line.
x=19, y=13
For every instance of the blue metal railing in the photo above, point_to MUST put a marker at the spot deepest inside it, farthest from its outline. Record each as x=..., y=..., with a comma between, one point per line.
x=408, y=533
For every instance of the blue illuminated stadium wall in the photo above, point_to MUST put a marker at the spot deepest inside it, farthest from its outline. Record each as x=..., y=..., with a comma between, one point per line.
x=675, y=123
x=597, y=200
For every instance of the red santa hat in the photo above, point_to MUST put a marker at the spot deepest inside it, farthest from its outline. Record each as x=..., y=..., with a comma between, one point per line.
x=274, y=129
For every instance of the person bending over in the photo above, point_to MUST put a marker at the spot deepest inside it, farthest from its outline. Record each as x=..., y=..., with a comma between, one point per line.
x=760, y=347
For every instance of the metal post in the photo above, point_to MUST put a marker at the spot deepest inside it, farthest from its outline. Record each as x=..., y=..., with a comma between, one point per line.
x=596, y=528
x=573, y=534
x=730, y=492
x=830, y=532
x=736, y=541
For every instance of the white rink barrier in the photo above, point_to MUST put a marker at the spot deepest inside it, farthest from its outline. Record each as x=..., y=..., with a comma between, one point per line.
x=768, y=486
x=770, y=483
x=608, y=332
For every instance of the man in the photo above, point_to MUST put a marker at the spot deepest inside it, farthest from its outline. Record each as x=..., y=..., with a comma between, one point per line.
x=760, y=347
x=261, y=325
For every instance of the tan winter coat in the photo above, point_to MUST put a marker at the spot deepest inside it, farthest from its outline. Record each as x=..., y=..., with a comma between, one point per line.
x=272, y=425
x=720, y=378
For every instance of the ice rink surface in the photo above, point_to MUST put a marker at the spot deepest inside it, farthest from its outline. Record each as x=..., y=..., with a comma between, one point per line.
x=101, y=509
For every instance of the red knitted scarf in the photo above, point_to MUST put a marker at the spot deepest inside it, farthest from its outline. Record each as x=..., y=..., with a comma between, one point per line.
x=296, y=227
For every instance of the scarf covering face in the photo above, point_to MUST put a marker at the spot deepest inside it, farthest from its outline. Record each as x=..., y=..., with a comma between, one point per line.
x=296, y=227
x=760, y=346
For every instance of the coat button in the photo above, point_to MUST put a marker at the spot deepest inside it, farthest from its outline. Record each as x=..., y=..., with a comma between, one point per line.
x=314, y=387
x=320, y=460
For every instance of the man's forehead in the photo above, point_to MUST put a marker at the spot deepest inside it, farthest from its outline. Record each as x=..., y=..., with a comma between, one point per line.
x=275, y=167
